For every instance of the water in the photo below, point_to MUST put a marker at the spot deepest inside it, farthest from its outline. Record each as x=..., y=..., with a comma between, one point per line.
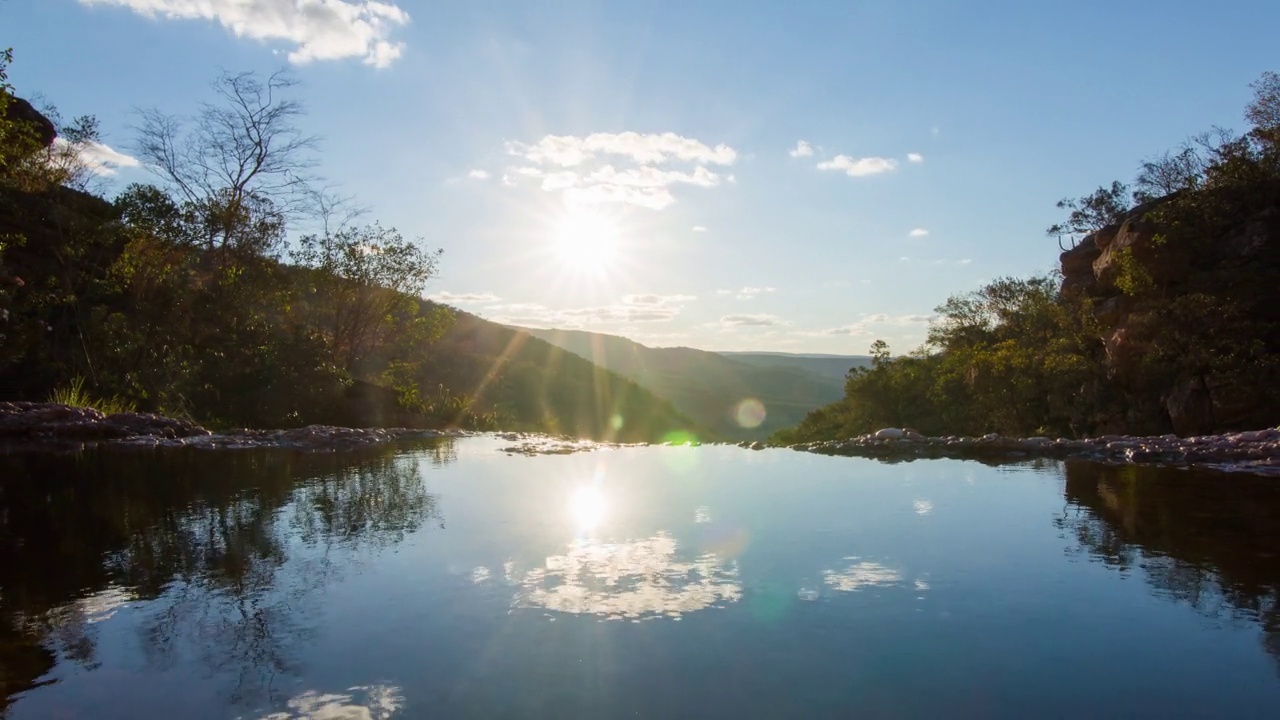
x=453, y=580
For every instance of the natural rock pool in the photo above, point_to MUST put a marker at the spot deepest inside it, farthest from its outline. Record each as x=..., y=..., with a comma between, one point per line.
x=451, y=579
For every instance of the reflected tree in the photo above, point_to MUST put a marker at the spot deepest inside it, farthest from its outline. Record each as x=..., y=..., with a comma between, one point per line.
x=207, y=539
x=1194, y=543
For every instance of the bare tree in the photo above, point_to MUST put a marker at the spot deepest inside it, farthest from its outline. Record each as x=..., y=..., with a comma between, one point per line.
x=239, y=156
x=1183, y=168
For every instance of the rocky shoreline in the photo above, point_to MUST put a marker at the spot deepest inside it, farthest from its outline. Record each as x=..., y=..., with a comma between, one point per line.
x=1256, y=451
x=55, y=425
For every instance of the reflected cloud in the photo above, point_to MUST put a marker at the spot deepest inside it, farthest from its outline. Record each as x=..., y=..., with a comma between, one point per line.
x=640, y=579
x=861, y=575
x=923, y=507
x=702, y=515
x=479, y=575
x=375, y=702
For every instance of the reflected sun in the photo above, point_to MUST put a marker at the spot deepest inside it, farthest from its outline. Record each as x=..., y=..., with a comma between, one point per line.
x=587, y=507
x=585, y=240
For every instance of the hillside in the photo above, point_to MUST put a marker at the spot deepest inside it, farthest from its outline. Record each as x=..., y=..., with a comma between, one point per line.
x=535, y=385
x=200, y=308
x=707, y=386
x=835, y=367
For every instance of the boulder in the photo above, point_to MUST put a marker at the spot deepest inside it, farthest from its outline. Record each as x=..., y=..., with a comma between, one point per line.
x=1209, y=404
x=1077, y=267
x=23, y=111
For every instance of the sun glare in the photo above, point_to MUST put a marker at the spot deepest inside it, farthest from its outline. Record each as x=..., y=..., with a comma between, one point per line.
x=587, y=507
x=586, y=241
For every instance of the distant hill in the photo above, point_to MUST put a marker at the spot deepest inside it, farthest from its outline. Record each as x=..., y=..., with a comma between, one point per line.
x=831, y=366
x=538, y=386
x=709, y=387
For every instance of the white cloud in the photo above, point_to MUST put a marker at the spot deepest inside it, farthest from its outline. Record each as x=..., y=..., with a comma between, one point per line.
x=759, y=320
x=915, y=158
x=478, y=174
x=854, y=329
x=641, y=148
x=699, y=229
x=747, y=293
x=919, y=232
x=802, y=149
x=965, y=261
x=650, y=177
x=657, y=299
x=97, y=157
x=470, y=298
x=897, y=319
x=858, y=167
x=317, y=29
x=644, y=308
x=631, y=175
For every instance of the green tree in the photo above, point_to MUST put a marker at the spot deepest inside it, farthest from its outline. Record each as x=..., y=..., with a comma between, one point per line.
x=365, y=288
x=1095, y=211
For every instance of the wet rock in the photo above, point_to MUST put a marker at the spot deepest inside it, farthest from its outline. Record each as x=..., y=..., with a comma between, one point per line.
x=1255, y=451
x=57, y=421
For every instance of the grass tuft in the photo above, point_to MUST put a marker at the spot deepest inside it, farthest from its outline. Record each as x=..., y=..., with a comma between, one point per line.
x=76, y=396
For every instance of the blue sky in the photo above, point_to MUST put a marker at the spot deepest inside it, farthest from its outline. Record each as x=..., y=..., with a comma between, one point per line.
x=637, y=168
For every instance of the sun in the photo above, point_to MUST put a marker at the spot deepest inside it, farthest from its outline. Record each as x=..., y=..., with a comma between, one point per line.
x=585, y=240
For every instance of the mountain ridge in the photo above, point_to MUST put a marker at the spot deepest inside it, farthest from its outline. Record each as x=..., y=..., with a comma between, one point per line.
x=714, y=389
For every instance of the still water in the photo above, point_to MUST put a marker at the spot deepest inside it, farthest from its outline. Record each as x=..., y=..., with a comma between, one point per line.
x=454, y=580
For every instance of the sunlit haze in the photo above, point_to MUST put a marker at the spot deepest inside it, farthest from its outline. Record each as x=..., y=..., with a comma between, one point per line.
x=801, y=177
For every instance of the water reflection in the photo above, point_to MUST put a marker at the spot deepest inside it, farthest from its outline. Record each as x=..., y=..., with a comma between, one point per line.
x=363, y=702
x=204, y=539
x=628, y=580
x=860, y=575
x=1198, y=538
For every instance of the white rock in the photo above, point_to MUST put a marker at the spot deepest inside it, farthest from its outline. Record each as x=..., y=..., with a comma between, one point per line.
x=891, y=433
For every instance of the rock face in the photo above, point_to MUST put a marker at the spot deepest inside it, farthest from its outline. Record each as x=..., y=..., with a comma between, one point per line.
x=1247, y=255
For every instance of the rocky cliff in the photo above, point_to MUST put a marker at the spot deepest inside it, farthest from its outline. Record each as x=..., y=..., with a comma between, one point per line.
x=1155, y=289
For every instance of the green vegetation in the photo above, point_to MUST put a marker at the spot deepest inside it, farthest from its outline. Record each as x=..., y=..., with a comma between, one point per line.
x=1165, y=317
x=74, y=394
x=240, y=291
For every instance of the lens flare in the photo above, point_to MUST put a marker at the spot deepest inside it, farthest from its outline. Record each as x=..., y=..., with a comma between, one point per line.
x=749, y=413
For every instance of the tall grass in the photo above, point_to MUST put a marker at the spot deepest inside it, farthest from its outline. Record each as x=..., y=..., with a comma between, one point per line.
x=76, y=396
